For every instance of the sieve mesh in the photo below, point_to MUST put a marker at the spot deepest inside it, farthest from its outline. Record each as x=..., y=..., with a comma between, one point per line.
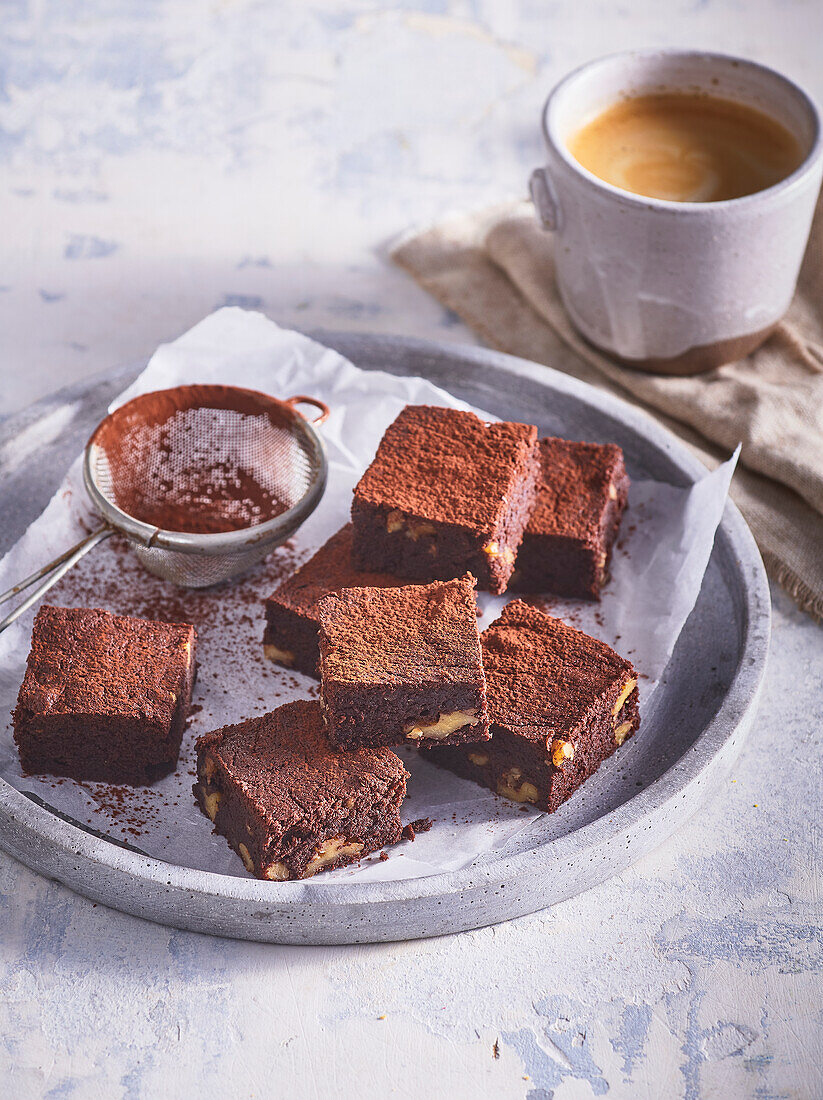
x=196, y=571
x=206, y=480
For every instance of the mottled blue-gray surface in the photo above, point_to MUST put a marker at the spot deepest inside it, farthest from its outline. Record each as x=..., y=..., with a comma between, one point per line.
x=160, y=159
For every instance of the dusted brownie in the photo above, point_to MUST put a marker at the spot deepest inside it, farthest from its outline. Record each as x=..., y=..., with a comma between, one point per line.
x=446, y=493
x=567, y=545
x=402, y=665
x=560, y=703
x=288, y=803
x=292, y=619
x=104, y=696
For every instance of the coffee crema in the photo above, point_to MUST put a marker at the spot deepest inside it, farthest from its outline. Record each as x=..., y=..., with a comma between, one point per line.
x=686, y=147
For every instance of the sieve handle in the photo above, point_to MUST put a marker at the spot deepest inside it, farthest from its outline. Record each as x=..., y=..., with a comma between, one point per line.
x=52, y=573
x=301, y=399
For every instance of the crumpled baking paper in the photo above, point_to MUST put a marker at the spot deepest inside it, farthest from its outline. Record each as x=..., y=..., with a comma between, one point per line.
x=667, y=538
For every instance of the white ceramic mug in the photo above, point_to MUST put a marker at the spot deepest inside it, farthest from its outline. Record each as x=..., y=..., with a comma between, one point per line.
x=675, y=287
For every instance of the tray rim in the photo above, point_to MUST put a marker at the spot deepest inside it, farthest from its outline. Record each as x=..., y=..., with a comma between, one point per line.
x=25, y=826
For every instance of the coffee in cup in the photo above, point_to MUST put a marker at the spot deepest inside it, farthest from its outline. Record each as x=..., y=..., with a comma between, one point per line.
x=686, y=147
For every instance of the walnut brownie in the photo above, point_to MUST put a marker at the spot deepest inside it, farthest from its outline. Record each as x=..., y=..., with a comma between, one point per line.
x=560, y=703
x=105, y=696
x=292, y=619
x=402, y=665
x=288, y=803
x=567, y=545
x=446, y=493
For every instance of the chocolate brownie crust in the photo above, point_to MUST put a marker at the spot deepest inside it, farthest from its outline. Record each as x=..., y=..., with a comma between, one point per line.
x=560, y=703
x=567, y=544
x=105, y=697
x=402, y=665
x=292, y=619
x=446, y=493
x=288, y=803
x=469, y=461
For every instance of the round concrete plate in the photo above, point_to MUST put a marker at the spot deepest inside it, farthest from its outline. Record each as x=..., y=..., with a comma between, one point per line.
x=709, y=695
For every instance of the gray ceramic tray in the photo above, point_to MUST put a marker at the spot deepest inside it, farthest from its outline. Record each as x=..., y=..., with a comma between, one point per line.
x=708, y=699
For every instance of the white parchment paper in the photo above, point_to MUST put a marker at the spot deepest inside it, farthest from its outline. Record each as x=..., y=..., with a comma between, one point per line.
x=658, y=568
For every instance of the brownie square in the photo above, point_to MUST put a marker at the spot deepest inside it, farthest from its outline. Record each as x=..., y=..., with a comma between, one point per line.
x=567, y=545
x=402, y=665
x=292, y=618
x=105, y=696
x=446, y=493
x=288, y=803
x=560, y=703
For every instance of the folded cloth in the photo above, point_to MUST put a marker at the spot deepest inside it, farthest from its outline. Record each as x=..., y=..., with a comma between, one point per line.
x=495, y=269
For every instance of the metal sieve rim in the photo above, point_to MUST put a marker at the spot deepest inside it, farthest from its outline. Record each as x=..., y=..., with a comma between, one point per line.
x=224, y=542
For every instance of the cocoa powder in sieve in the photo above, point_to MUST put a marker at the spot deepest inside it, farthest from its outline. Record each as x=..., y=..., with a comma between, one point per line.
x=205, y=505
x=203, y=459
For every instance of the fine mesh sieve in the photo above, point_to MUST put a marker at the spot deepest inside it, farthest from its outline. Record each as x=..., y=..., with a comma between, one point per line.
x=204, y=481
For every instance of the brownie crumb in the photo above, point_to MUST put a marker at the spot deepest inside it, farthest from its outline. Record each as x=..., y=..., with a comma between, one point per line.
x=384, y=856
x=422, y=825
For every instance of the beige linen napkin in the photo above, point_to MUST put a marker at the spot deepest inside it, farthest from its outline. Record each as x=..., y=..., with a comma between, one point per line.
x=495, y=269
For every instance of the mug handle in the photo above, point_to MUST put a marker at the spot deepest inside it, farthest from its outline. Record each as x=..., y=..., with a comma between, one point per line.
x=544, y=198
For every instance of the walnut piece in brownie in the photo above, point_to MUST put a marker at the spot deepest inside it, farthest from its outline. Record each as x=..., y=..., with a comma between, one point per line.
x=567, y=545
x=288, y=803
x=446, y=493
x=560, y=703
x=292, y=619
x=105, y=697
x=402, y=665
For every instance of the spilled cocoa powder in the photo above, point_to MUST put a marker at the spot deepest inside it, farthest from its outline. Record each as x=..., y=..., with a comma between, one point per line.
x=122, y=585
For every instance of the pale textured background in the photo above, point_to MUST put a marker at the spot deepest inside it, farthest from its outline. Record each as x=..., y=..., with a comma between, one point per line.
x=160, y=159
